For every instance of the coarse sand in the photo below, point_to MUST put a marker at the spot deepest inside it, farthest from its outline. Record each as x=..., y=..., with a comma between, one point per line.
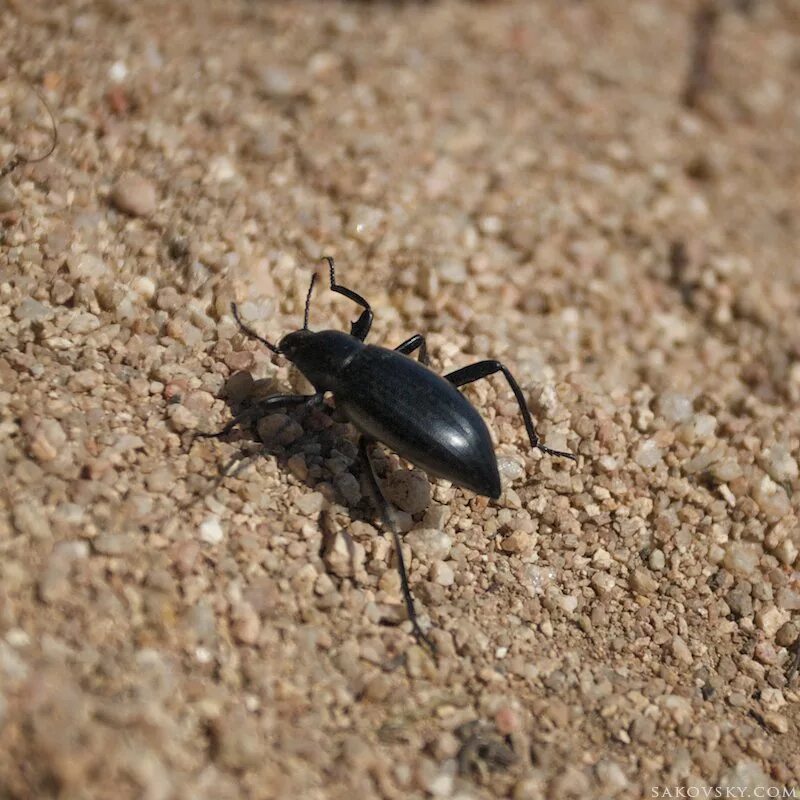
x=547, y=183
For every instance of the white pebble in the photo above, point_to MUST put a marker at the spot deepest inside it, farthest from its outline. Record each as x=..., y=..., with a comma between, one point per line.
x=603, y=583
x=741, y=558
x=771, y=498
x=211, y=531
x=601, y=559
x=698, y=429
x=770, y=619
x=648, y=454
x=568, y=603
x=510, y=469
x=536, y=578
x=118, y=71
x=674, y=407
x=428, y=544
x=681, y=650
x=144, y=286
x=780, y=464
x=442, y=573
x=365, y=223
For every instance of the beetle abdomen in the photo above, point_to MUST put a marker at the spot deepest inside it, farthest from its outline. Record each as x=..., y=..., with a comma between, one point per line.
x=421, y=416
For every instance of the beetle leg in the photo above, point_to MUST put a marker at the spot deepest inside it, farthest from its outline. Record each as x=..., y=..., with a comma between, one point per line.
x=416, y=342
x=359, y=328
x=262, y=407
x=386, y=517
x=474, y=372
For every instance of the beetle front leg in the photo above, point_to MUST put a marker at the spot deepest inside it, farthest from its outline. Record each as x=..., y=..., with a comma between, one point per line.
x=415, y=342
x=273, y=403
x=474, y=372
x=359, y=328
x=386, y=517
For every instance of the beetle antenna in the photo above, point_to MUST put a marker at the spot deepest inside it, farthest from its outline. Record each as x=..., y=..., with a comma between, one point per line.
x=308, y=301
x=17, y=159
x=331, y=269
x=250, y=332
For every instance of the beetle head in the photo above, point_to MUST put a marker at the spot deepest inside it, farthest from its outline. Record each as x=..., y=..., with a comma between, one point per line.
x=295, y=345
x=319, y=355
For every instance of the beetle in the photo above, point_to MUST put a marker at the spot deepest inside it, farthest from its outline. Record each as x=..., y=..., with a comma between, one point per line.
x=396, y=400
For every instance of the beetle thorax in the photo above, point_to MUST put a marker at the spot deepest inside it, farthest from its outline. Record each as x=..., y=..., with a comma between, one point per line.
x=321, y=355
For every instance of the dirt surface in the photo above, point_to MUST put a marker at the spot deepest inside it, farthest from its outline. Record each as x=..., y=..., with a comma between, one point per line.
x=525, y=181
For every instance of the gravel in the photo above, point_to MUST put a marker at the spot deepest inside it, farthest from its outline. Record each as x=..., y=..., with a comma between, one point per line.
x=513, y=185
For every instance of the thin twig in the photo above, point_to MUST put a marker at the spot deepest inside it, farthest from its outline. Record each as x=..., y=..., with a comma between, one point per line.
x=17, y=159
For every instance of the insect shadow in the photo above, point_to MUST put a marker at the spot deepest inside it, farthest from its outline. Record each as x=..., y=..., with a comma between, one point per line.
x=321, y=435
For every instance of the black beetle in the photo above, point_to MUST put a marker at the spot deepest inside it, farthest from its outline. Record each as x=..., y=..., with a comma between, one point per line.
x=393, y=399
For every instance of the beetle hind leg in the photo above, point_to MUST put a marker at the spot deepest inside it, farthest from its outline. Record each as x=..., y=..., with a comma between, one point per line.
x=386, y=517
x=273, y=403
x=483, y=369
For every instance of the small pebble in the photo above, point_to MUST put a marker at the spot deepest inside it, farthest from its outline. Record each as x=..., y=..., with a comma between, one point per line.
x=780, y=464
x=776, y=722
x=409, y=490
x=30, y=520
x=442, y=573
x=740, y=600
x=537, y=578
x=674, y=407
x=770, y=619
x=517, y=542
x=8, y=196
x=771, y=499
x=134, y=195
x=681, y=650
x=365, y=223
x=788, y=599
x=510, y=469
x=30, y=310
x=429, y=545
x=699, y=428
x=180, y=418
x=343, y=556
x=741, y=558
x=787, y=634
x=648, y=454
x=310, y=503
x=349, y=488
x=246, y=624
x=765, y=653
x=643, y=583
x=211, y=531
x=601, y=559
x=278, y=430
x=603, y=583
x=113, y=544
x=786, y=552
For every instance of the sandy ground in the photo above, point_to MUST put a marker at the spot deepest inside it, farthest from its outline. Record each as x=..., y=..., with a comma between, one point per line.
x=516, y=180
